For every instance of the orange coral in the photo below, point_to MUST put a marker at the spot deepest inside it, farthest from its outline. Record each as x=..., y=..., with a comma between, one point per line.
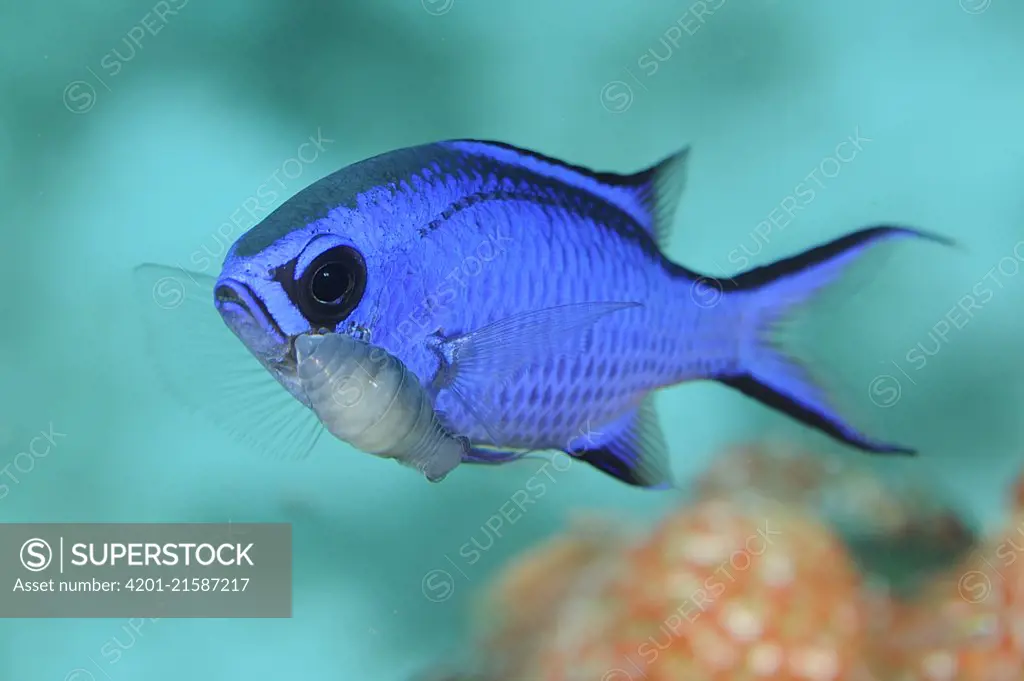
x=529, y=595
x=751, y=581
x=968, y=624
x=718, y=592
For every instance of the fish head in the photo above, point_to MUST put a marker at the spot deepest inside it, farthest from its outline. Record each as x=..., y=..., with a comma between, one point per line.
x=308, y=281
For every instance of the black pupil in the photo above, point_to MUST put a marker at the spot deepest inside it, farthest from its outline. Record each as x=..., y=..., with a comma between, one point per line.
x=331, y=283
x=330, y=287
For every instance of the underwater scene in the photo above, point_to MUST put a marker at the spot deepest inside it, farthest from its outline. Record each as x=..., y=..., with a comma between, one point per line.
x=694, y=329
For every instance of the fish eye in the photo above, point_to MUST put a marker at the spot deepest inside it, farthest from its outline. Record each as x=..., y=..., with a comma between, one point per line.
x=332, y=286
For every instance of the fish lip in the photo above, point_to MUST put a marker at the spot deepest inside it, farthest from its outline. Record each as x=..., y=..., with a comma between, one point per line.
x=235, y=292
x=279, y=356
x=250, y=320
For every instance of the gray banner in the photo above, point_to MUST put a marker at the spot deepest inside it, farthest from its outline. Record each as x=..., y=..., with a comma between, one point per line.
x=145, y=570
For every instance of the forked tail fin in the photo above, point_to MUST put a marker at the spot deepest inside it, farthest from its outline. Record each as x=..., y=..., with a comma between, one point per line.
x=775, y=294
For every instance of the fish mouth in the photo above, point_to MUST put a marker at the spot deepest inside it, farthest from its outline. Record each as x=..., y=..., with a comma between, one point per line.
x=234, y=294
x=247, y=316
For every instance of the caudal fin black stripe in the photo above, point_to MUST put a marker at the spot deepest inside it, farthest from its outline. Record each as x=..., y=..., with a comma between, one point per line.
x=761, y=276
x=751, y=387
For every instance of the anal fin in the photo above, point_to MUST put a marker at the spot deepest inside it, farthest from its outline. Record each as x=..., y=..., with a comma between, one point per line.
x=632, y=449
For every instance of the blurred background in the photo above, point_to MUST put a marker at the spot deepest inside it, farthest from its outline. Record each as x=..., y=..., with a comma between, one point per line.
x=133, y=131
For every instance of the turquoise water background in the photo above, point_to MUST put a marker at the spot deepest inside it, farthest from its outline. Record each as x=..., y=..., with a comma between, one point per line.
x=126, y=137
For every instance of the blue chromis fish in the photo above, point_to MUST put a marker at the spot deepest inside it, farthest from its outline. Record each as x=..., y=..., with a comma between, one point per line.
x=531, y=298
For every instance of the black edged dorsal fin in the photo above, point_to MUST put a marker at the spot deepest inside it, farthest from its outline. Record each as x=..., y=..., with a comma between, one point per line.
x=650, y=196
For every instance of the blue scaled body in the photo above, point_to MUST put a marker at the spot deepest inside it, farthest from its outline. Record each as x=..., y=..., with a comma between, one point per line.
x=531, y=298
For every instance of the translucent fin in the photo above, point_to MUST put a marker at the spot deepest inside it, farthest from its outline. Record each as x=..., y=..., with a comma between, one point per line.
x=660, y=190
x=632, y=450
x=776, y=296
x=210, y=372
x=484, y=414
x=481, y=361
x=493, y=455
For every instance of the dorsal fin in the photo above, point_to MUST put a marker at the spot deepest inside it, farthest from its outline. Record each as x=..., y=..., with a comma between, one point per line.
x=650, y=196
x=660, y=188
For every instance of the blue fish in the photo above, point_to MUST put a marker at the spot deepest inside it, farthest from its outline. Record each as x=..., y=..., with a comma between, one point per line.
x=531, y=297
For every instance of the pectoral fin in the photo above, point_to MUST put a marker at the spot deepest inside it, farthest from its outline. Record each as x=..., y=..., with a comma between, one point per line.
x=208, y=371
x=476, y=365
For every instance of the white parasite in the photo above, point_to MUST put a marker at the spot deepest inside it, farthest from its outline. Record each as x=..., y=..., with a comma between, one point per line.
x=367, y=397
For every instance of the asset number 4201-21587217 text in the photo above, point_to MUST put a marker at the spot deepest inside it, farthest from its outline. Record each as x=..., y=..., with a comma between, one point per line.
x=201, y=584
